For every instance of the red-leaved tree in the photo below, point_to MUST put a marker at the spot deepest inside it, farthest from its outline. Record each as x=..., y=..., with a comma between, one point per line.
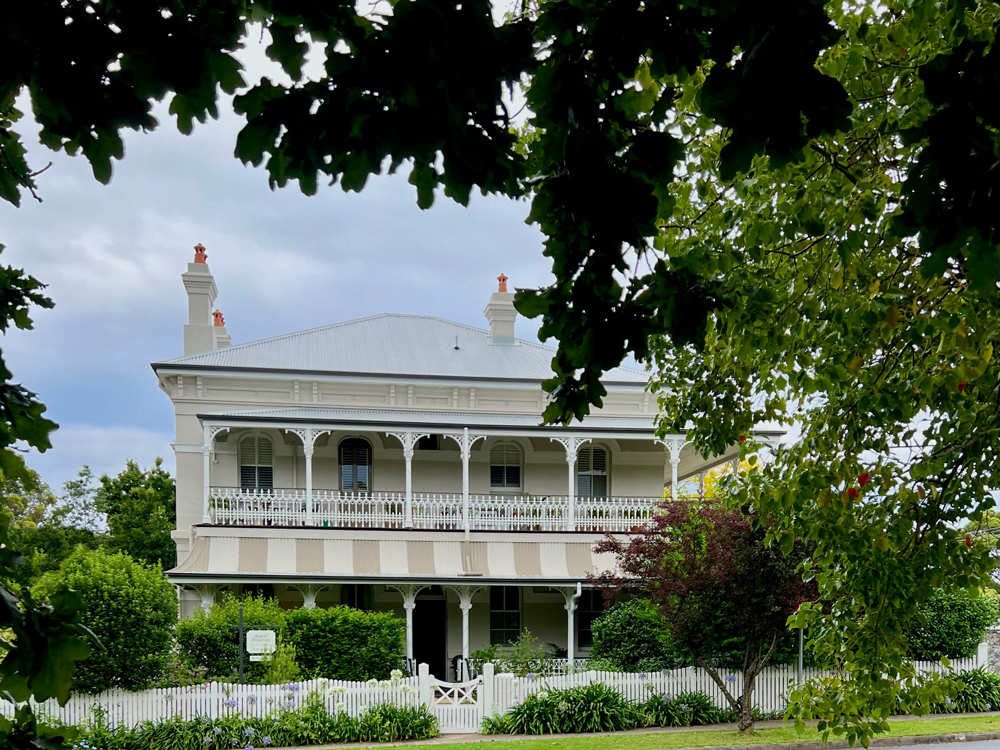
x=708, y=571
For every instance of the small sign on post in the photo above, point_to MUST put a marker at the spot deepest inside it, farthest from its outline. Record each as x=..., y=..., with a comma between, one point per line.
x=260, y=642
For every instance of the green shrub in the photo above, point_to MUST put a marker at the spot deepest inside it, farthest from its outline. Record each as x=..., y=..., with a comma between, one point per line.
x=979, y=691
x=952, y=624
x=633, y=636
x=132, y=610
x=310, y=724
x=524, y=656
x=589, y=708
x=390, y=723
x=342, y=643
x=210, y=640
x=681, y=710
x=280, y=668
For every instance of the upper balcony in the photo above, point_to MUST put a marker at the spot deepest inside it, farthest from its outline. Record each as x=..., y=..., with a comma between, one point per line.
x=234, y=506
x=364, y=469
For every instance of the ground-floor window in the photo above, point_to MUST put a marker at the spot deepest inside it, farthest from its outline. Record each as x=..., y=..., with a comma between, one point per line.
x=590, y=606
x=505, y=614
x=358, y=596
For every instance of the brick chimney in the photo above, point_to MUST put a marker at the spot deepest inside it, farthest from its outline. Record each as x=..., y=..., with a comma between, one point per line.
x=501, y=314
x=199, y=332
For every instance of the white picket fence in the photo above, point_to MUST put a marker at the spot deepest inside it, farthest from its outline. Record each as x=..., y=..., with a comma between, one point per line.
x=770, y=690
x=217, y=699
x=460, y=707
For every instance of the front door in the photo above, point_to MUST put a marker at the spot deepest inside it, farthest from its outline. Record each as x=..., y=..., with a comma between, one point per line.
x=430, y=635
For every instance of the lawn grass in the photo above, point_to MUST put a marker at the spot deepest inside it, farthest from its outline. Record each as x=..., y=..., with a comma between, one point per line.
x=715, y=737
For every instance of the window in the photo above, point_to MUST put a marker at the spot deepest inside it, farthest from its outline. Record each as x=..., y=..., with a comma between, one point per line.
x=589, y=607
x=355, y=465
x=505, y=615
x=429, y=443
x=505, y=465
x=592, y=472
x=256, y=463
x=358, y=596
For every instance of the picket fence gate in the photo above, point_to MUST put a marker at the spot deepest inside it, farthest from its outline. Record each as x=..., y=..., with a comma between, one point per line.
x=459, y=706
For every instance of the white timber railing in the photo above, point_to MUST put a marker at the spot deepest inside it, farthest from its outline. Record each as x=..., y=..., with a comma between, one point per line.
x=233, y=506
x=460, y=707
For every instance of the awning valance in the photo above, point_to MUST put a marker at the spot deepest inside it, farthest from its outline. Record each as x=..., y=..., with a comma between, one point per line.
x=393, y=559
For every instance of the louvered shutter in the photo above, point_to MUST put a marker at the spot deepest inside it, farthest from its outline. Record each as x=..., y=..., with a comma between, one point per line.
x=505, y=465
x=362, y=460
x=265, y=463
x=256, y=455
x=355, y=466
x=592, y=472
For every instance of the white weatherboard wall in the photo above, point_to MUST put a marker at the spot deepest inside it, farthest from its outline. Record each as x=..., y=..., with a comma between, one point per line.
x=459, y=707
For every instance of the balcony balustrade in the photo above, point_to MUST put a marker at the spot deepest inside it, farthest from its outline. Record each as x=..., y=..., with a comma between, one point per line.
x=233, y=506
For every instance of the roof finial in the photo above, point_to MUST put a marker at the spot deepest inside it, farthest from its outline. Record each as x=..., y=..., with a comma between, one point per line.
x=199, y=253
x=220, y=320
x=502, y=278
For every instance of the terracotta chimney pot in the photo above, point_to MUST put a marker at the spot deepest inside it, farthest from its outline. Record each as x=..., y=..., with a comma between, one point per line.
x=200, y=256
x=503, y=282
x=220, y=320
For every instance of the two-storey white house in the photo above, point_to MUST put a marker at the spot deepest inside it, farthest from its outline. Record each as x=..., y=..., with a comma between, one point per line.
x=398, y=462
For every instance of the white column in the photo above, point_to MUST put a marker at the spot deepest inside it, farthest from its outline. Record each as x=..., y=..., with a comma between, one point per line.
x=308, y=436
x=465, y=594
x=206, y=516
x=736, y=470
x=207, y=594
x=307, y=451
x=572, y=446
x=571, y=596
x=409, y=441
x=466, y=451
x=409, y=594
x=675, y=446
x=465, y=442
x=309, y=592
x=408, y=509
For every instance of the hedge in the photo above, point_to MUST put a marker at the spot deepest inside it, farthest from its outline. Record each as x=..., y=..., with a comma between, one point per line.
x=339, y=643
x=952, y=624
x=130, y=607
x=632, y=636
x=342, y=643
x=210, y=640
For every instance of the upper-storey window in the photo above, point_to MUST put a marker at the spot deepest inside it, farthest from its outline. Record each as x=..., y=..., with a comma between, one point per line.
x=355, y=465
x=256, y=455
x=505, y=466
x=592, y=472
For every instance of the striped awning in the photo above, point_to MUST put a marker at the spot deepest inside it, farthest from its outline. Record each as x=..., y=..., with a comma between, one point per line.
x=395, y=559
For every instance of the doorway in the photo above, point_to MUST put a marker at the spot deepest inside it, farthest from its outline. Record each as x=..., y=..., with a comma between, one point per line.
x=430, y=632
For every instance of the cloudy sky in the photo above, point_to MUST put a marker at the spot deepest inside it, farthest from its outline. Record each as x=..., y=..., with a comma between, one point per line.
x=112, y=256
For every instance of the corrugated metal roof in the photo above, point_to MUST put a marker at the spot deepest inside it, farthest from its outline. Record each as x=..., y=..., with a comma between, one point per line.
x=458, y=420
x=393, y=344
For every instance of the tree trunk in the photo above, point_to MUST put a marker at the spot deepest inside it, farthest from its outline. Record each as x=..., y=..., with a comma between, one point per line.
x=746, y=702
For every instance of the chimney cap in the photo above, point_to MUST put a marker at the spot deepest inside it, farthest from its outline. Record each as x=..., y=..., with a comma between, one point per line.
x=200, y=256
x=502, y=278
x=219, y=319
